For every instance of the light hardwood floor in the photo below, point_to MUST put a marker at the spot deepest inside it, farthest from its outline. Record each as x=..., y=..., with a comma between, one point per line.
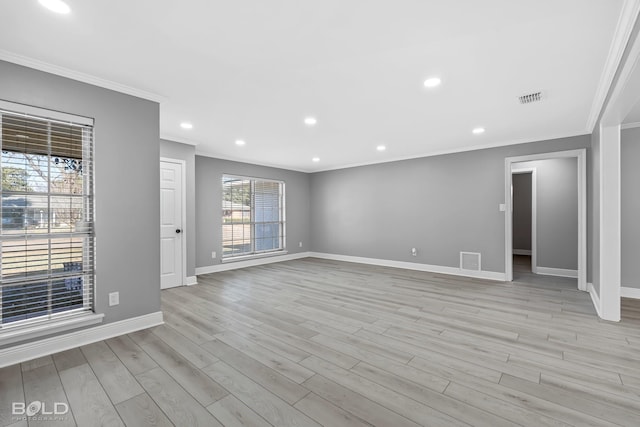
x=314, y=342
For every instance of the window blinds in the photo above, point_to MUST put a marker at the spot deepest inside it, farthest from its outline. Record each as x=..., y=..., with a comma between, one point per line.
x=253, y=219
x=46, y=236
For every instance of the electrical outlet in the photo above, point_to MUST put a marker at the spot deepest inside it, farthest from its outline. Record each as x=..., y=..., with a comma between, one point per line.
x=114, y=298
x=414, y=252
x=300, y=244
x=213, y=254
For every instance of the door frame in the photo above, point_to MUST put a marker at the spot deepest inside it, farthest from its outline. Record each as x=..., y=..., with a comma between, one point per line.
x=581, y=156
x=183, y=210
x=534, y=214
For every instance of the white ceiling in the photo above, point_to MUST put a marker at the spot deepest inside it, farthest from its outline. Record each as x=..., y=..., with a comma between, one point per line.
x=254, y=69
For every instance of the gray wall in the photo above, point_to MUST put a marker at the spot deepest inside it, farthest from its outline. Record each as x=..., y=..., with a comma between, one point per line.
x=440, y=205
x=630, y=207
x=126, y=182
x=208, y=196
x=522, y=211
x=557, y=212
x=176, y=150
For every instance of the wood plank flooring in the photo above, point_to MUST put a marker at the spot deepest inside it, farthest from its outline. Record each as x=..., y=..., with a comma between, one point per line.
x=314, y=342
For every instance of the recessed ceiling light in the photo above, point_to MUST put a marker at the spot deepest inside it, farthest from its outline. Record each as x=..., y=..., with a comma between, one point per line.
x=315, y=159
x=381, y=148
x=310, y=121
x=478, y=131
x=57, y=6
x=240, y=142
x=432, y=82
x=186, y=125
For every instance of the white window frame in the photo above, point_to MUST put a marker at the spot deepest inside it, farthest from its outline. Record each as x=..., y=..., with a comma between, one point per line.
x=253, y=253
x=30, y=328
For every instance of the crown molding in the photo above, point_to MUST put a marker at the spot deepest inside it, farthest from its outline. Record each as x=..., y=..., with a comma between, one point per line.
x=624, y=28
x=81, y=77
x=180, y=139
x=624, y=126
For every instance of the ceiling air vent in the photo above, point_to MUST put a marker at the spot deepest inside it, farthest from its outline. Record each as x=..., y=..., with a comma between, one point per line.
x=531, y=97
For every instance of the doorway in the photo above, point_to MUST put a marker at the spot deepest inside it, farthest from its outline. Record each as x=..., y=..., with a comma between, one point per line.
x=524, y=222
x=510, y=166
x=172, y=214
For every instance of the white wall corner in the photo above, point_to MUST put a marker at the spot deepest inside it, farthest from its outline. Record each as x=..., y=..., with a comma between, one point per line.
x=191, y=280
x=32, y=350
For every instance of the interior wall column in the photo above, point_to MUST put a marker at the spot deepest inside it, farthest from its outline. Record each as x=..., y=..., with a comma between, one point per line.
x=610, y=236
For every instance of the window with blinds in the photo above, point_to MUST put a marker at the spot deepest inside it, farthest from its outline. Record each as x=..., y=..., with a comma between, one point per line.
x=46, y=236
x=253, y=216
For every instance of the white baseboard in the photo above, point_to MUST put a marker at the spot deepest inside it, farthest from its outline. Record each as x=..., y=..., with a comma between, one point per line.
x=560, y=272
x=594, y=298
x=249, y=263
x=522, y=252
x=630, y=292
x=23, y=352
x=191, y=280
x=490, y=275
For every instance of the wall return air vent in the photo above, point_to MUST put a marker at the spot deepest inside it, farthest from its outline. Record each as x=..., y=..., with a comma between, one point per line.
x=470, y=261
x=530, y=97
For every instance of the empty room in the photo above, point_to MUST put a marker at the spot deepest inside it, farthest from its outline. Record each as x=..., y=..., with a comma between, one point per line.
x=286, y=213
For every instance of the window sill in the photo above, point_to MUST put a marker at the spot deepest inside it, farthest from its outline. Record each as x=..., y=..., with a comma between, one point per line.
x=254, y=256
x=10, y=335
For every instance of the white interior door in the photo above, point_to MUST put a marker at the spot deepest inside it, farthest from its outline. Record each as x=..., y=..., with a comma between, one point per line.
x=171, y=239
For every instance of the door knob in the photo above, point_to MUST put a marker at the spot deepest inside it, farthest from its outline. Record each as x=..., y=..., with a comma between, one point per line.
x=178, y=231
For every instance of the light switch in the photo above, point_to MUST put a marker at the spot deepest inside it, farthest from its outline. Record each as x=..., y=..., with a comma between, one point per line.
x=114, y=298
x=502, y=207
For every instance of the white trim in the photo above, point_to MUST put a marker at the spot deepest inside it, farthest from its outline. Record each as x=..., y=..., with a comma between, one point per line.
x=202, y=151
x=534, y=214
x=560, y=272
x=489, y=275
x=58, y=116
x=10, y=335
x=630, y=292
x=582, y=220
x=522, y=252
x=183, y=202
x=594, y=298
x=581, y=155
x=191, y=280
x=258, y=255
x=21, y=353
x=623, y=95
x=624, y=28
x=175, y=138
x=76, y=75
x=249, y=263
x=633, y=125
x=459, y=150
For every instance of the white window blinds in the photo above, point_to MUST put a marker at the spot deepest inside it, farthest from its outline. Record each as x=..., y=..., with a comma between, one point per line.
x=46, y=237
x=253, y=216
